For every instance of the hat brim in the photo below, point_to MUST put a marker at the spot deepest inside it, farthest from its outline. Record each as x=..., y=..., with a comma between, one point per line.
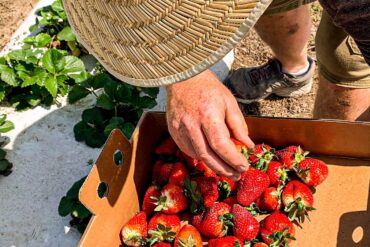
x=211, y=58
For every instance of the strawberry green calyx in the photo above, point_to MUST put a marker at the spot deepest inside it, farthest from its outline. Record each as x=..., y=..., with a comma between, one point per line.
x=161, y=203
x=162, y=233
x=192, y=192
x=298, y=210
x=136, y=241
x=189, y=244
x=280, y=238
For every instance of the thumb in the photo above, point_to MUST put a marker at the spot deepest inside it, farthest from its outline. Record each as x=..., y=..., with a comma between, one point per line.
x=237, y=125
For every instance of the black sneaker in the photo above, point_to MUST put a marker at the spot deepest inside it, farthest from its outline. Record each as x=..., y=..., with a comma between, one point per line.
x=252, y=84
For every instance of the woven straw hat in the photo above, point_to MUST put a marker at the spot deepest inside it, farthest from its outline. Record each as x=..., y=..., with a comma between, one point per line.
x=160, y=42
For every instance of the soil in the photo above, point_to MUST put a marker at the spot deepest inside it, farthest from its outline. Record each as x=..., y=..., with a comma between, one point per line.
x=250, y=52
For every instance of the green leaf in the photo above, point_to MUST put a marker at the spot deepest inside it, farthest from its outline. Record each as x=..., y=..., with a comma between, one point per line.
x=123, y=93
x=2, y=154
x=53, y=61
x=65, y=206
x=2, y=118
x=78, y=92
x=66, y=34
x=2, y=93
x=152, y=92
x=42, y=40
x=75, y=189
x=147, y=102
x=57, y=6
x=8, y=75
x=51, y=84
x=80, y=211
x=114, y=123
x=110, y=88
x=33, y=100
x=128, y=129
x=93, y=116
x=95, y=138
x=105, y=102
x=6, y=127
x=79, y=131
x=73, y=67
x=4, y=166
x=99, y=80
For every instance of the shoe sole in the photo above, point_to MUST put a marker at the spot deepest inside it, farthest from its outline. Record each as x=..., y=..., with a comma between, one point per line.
x=283, y=92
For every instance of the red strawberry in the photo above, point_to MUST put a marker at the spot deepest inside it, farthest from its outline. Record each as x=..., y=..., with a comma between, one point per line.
x=216, y=220
x=149, y=201
x=231, y=201
x=246, y=227
x=229, y=241
x=197, y=220
x=312, y=171
x=156, y=171
x=260, y=244
x=297, y=199
x=277, y=230
x=240, y=147
x=251, y=185
x=188, y=237
x=269, y=200
x=162, y=172
x=134, y=232
x=163, y=227
x=162, y=244
x=291, y=156
x=208, y=172
x=277, y=173
x=190, y=162
x=167, y=147
x=260, y=156
x=178, y=174
x=208, y=189
x=226, y=186
x=172, y=200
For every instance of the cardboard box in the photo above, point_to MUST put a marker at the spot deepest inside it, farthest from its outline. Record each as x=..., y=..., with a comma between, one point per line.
x=342, y=217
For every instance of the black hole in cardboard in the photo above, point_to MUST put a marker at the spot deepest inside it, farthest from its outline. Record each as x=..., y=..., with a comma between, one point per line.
x=118, y=157
x=103, y=189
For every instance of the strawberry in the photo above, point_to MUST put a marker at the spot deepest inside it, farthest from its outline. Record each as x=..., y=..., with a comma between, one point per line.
x=134, y=232
x=229, y=241
x=188, y=237
x=190, y=162
x=203, y=168
x=260, y=244
x=156, y=171
x=312, y=171
x=162, y=244
x=231, y=201
x=291, y=156
x=269, y=200
x=172, y=200
x=246, y=227
x=251, y=185
x=161, y=172
x=149, y=201
x=240, y=147
x=208, y=189
x=167, y=147
x=260, y=156
x=163, y=227
x=298, y=200
x=216, y=220
x=226, y=186
x=197, y=220
x=178, y=174
x=277, y=230
x=277, y=173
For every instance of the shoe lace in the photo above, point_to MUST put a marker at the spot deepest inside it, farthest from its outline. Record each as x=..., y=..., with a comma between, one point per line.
x=264, y=73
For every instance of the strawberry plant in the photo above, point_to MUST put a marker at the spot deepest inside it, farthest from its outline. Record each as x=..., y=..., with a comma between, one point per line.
x=5, y=165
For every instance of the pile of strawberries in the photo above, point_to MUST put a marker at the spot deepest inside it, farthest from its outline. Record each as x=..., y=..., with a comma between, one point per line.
x=188, y=205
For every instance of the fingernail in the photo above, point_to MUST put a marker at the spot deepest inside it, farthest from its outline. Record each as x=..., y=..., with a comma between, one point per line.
x=242, y=169
x=235, y=178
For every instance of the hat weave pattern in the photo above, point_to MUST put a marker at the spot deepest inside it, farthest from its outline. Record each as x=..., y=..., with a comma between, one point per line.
x=159, y=42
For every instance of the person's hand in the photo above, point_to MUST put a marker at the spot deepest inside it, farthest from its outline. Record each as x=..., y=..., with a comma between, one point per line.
x=202, y=115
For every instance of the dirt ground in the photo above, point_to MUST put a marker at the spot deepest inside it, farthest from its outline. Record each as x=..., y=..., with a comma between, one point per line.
x=12, y=14
x=250, y=52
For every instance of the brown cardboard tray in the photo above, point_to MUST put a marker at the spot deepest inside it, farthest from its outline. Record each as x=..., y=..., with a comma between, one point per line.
x=342, y=217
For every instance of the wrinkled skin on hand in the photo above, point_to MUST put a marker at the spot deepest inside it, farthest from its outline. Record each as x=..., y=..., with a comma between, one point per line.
x=202, y=115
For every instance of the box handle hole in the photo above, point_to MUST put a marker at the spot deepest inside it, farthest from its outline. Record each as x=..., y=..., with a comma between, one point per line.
x=357, y=234
x=103, y=189
x=118, y=157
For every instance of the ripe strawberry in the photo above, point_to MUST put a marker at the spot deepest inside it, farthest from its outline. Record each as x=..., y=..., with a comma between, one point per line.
x=216, y=220
x=149, y=201
x=172, y=200
x=277, y=173
x=246, y=227
x=208, y=189
x=190, y=162
x=203, y=168
x=260, y=244
x=269, y=200
x=260, y=156
x=166, y=147
x=197, y=220
x=298, y=200
x=178, y=174
x=229, y=241
x=312, y=171
x=162, y=244
x=162, y=172
x=231, y=201
x=134, y=232
x=188, y=237
x=226, y=186
x=156, y=171
x=277, y=230
x=240, y=147
x=251, y=185
x=291, y=156
x=163, y=227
